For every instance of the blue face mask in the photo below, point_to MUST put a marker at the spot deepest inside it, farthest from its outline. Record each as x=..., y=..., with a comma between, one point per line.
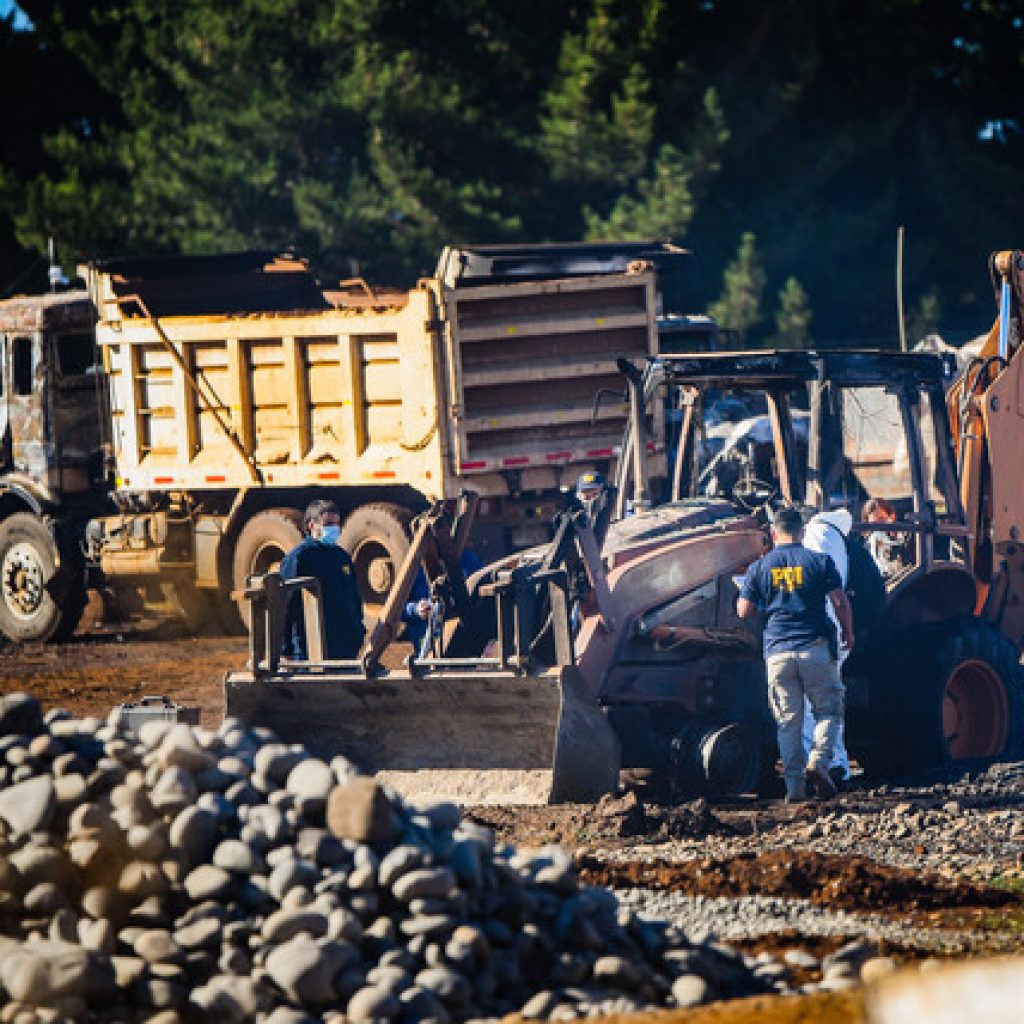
x=330, y=534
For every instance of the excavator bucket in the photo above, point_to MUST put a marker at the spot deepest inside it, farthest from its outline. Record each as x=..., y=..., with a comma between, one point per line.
x=474, y=737
x=476, y=730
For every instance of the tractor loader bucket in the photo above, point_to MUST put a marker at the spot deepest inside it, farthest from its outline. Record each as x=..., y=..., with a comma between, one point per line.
x=475, y=737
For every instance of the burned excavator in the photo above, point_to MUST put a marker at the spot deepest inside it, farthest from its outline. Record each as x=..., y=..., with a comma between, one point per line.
x=545, y=678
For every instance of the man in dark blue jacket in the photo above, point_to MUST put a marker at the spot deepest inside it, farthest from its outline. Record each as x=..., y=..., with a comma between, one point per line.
x=320, y=556
x=791, y=586
x=419, y=611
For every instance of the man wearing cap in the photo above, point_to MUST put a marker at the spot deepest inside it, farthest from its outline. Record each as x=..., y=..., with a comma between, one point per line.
x=790, y=585
x=589, y=486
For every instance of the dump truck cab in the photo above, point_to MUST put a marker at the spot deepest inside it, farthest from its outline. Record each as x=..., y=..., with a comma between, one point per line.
x=49, y=393
x=51, y=459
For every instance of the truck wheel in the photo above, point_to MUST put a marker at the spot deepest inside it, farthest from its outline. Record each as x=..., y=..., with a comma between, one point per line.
x=36, y=601
x=262, y=543
x=958, y=696
x=377, y=539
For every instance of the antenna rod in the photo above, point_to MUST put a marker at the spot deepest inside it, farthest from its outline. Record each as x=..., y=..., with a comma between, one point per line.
x=899, y=289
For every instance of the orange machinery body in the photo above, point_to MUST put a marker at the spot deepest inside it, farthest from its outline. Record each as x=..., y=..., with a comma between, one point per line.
x=986, y=411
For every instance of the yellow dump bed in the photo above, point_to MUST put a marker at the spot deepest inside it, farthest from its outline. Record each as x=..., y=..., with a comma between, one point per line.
x=439, y=388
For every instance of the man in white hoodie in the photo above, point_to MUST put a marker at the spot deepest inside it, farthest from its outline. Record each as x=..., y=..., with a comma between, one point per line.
x=826, y=532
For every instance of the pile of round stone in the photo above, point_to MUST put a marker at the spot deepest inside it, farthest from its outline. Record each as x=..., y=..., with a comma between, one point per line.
x=187, y=875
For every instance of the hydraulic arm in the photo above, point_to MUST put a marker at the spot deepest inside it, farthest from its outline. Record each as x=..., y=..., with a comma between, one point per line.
x=986, y=410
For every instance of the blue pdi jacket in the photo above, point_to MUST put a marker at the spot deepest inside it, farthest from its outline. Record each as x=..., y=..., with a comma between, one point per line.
x=342, y=605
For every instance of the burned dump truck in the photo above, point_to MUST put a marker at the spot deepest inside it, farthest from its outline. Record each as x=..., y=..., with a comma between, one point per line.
x=165, y=430
x=547, y=679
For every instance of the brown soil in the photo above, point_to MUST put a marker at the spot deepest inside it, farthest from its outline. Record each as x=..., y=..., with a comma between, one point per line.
x=103, y=668
x=840, y=883
x=582, y=825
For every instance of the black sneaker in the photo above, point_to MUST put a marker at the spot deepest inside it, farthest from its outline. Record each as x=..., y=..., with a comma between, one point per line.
x=819, y=783
x=838, y=777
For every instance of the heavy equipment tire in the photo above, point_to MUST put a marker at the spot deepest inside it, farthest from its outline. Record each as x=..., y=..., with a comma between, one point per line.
x=714, y=759
x=262, y=543
x=38, y=602
x=955, y=693
x=377, y=540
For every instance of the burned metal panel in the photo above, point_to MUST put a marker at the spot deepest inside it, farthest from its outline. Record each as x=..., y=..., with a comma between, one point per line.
x=527, y=360
x=61, y=311
x=76, y=408
x=27, y=393
x=472, y=265
x=249, y=282
x=657, y=577
x=51, y=392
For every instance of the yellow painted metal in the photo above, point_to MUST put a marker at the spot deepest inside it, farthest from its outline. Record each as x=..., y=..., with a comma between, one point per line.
x=443, y=389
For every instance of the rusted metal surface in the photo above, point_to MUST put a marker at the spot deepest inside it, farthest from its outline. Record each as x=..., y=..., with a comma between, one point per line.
x=235, y=283
x=52, y=404
x=650, y=581
x=63, y=310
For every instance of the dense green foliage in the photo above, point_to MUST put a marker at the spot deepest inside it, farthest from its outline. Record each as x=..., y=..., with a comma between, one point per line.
x=367, y=133
x=738, y=308
x=793, y=317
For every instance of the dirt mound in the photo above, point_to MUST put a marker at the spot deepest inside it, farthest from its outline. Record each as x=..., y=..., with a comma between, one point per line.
x=611, y=818
x=689, y=821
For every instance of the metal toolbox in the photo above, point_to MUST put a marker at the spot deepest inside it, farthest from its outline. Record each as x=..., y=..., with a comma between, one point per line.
x=132, y=715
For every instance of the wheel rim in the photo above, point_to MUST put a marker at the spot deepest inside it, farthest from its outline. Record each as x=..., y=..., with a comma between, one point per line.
x=24, y=581
x=375, y=571
x=975, y=712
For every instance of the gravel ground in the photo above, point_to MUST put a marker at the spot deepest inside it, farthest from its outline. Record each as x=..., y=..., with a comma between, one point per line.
x=967, y=825
x=961, y=825
x=746, y=869
x=729, y=919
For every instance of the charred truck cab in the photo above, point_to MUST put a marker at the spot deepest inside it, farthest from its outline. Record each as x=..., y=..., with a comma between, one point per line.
x=51, y=461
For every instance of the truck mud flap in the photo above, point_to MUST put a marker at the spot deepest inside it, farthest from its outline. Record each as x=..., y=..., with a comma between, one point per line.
x=474, y=738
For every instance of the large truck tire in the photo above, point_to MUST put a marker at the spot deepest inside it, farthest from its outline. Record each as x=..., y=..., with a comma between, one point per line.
x=955, y=693
x=377, y=539
x=38, y=601
x=262, y=543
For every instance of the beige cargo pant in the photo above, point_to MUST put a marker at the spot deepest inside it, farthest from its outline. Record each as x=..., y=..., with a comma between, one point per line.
x=793, y=675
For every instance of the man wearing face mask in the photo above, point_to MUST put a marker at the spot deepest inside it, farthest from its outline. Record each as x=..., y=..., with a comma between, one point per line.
x=320, y=556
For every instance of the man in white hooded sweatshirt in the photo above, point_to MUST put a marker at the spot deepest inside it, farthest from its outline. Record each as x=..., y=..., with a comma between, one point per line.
x=826, y=532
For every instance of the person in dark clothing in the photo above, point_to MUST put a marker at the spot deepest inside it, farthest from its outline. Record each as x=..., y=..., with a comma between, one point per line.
x=791, y=585
x=418, y=609
x=320, y=556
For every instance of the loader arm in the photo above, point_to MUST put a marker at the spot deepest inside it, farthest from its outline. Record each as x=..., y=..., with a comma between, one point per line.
x=986, y=412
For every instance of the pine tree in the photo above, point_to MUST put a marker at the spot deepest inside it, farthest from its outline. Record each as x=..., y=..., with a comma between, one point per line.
x=924, y=319
x=665, y=200
x=738, y=308
x=598, y=116
x=793, y=317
